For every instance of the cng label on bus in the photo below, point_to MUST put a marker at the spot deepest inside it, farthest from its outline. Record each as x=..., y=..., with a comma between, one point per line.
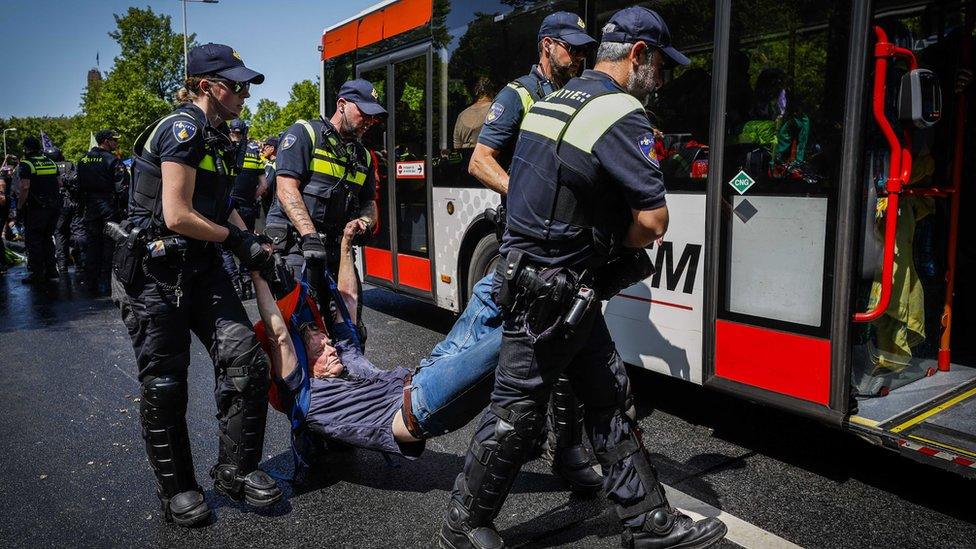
x=410, y=170
x=742, y=182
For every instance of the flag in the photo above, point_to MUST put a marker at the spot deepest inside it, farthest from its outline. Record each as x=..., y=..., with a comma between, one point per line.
x=46, y=142
x=96, y=60
x=91, y=140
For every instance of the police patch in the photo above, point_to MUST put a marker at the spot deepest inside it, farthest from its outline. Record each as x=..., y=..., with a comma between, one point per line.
x=494, y=112
x=646, y=145
x=184, y=131
x=287, y=141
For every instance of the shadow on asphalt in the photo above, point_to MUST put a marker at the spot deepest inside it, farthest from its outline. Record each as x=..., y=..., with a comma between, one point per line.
x=798, y=441
x=409, y=310
x=46, y=306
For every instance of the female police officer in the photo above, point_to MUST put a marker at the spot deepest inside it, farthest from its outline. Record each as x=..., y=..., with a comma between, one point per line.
x=172, y=283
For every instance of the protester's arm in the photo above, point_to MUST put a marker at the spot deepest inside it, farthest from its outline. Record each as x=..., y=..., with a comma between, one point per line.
x=283, y=356
x=262, y=187
x=347, y=282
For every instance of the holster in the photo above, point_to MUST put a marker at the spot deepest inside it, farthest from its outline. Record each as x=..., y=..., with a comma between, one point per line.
x=537, y=296
x=129, y=250
x=626, y=268
x=280, y=237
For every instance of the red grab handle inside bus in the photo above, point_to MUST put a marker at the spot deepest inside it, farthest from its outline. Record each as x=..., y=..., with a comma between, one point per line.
x=899, y=163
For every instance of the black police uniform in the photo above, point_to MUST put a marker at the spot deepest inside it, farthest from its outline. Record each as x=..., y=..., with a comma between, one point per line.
x=4, y=218
x=248, y=171
x=500, y=132
x=269, y=178
x=185, y=290
x=337, y=181
x=40, y=214
x=100, y=176
x=584, y=159
x=69, y=233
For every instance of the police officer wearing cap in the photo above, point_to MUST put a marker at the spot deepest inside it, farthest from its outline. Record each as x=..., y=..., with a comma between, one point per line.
x=563, y=44
x=269, y=152
x=324, y=177
x=101, y=175
x=39, y=204
x=248, y=179
x=171, y=284
x=69, y=232
x=584, y=182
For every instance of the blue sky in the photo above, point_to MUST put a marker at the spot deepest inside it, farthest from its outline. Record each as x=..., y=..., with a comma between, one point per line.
x=50, y=44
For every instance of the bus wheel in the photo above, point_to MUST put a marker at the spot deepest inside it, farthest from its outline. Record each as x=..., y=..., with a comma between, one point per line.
x=483, y=260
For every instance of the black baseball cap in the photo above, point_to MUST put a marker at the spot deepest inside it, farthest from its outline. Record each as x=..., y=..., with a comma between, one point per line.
x=106, y=134
x=364, y=95
x=637, y=24
x=271, y=142
x=220, y=60
x=567, y=27
x=237, y=125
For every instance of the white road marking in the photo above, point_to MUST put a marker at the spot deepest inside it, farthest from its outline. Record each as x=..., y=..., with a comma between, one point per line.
x=741, y=532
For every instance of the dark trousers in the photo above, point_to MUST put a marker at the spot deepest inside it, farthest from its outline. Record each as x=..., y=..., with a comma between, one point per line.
x=69, y=235
x=98, y=247
x=39, y=225
x=248, y=213
x=4, y=214
x=524, y=379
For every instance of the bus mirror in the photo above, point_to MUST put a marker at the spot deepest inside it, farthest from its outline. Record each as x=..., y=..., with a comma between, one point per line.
x=920, y=99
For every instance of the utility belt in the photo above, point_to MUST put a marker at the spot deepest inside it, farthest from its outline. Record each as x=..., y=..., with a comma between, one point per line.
x=550, y=301
x=286, y=237
x=137, y=248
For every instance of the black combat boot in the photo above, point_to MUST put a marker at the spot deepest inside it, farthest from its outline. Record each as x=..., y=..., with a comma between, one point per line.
x=666, y=527
x=570, y=459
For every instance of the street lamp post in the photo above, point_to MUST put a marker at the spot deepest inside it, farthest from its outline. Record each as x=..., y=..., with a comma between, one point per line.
x=185, y=50
x=5, y=141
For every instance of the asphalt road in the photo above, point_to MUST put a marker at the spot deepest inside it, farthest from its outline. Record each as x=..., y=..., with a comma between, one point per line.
x=73, y=471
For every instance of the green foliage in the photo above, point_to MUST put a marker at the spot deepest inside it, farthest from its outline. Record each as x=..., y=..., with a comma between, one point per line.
x=57, y=127
x=303, y=103
x=264, y=123
x=149, y=43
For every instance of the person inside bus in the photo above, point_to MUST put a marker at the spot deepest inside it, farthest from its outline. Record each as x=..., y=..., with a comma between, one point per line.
x=469, y=122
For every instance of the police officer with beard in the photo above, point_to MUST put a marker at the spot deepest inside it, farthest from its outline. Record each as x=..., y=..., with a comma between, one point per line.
x=171, y=284
x=100, y=176
x=585, y=181
x=563, y=44
x=324, y=177
x=39, y=205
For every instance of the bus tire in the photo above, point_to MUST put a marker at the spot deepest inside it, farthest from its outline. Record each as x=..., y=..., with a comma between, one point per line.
x=482, y=261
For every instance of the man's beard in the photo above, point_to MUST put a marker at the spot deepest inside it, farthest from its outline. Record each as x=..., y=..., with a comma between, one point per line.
x=563, y=73
x=643, y=81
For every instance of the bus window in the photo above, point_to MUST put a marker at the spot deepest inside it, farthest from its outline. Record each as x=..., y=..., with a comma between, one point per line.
x=786, y=80
x=375, y=140
x=902, y=345
x=410, y=155
x=337, y=71
x=681, y=108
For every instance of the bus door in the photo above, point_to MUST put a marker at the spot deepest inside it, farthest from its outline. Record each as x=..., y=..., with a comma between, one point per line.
x=783, y=163
x=398, y=257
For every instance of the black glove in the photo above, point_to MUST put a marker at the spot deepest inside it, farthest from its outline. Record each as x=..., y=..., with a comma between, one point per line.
x=313, y=249
x=248, y=249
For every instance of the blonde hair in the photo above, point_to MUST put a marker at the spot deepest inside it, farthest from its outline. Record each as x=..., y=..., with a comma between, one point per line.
x=190, y=89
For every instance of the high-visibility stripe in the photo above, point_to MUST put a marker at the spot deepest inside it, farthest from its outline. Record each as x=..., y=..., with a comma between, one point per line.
x=523, y=94
x=207, y=164
x=555, y=107
x=251, y=164
x=327, y=167
x=597, y=116
x=543, y=125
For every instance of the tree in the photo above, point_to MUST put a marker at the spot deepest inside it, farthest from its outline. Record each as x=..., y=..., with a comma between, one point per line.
x=265, y=123
x=303, y=103
x=149, y=43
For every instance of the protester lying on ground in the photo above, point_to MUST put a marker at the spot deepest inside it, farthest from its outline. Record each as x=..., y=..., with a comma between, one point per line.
x=343, y=397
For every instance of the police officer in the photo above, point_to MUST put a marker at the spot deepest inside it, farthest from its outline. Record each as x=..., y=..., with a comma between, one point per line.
x=100, y=176
x=247, y=181
x=563, y=44
x=39, y=204
x=171, y=284
x=69, y=232
x=6, y=198
x=584, y=181
x=324, y=177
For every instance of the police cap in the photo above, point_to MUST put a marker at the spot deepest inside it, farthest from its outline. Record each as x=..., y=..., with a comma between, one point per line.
x=637, y=24
x=31, y=144
x=237, y=125
x=101, y=136
x=567, y=27
x=271, y=142
x=220, y=60
x=364, y=95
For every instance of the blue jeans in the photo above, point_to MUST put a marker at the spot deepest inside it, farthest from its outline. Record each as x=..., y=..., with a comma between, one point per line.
x=453, y=384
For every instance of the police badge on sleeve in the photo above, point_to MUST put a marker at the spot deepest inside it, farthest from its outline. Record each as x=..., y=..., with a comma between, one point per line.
x=287, y=141
x=494, y=112
x=184, y=131
x=646, y=145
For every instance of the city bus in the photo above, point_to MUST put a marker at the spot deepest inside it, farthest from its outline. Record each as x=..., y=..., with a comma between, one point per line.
x=813, y=156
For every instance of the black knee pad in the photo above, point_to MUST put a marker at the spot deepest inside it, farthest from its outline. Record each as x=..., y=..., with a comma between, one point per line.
x=163, y=399
x=248, y=372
